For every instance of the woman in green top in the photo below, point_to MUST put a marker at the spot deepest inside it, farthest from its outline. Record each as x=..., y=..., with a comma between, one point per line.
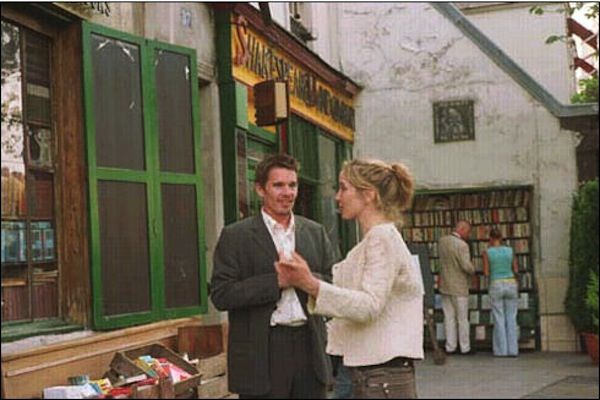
x=500, y=265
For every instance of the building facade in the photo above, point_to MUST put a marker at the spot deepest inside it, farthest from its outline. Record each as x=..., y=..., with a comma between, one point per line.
x=469, y=121
x=129, y=140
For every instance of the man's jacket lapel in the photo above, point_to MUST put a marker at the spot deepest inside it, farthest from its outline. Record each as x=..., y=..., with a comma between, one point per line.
x=261, y=238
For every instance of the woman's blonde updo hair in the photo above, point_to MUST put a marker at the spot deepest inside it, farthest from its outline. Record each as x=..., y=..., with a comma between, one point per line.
x=393, y=184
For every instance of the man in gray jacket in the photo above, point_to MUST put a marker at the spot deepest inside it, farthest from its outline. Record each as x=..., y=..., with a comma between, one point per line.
x=276, y=347
x=455, y=279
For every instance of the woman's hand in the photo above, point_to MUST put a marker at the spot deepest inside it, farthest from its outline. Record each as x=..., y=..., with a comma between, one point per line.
x=296, y=272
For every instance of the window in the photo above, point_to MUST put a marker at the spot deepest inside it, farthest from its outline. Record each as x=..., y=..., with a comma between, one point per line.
x=29, y=263
x=320, y=156
x=147, y=242
x=300, y=21
x=252, y=148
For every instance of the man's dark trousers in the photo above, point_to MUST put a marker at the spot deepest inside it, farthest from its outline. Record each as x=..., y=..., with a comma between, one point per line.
x=292, y=373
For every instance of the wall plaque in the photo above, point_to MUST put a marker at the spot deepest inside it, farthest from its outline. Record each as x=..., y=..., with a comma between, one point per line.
x=453, y=121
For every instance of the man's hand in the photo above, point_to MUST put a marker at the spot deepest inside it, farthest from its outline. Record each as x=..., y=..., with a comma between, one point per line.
x=296, y=272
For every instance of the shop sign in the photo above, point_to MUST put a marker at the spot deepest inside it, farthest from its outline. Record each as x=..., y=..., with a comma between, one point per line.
x=253, y=61
x=87, y=9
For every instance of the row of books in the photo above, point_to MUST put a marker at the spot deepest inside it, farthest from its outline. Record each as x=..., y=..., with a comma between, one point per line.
x=520, y=246
x=481, y=232
x=489, y=199
x=14, y=241
x=484, y=301
x=477, y=248
x=475, y=217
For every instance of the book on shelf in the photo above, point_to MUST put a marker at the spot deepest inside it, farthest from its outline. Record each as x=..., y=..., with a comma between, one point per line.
x=477, y=263
x=521, y=214
x=438, y=301
x=474, y=317
x=523, y=301
x=436, y=281
x=435, y=265
x=483, y=282
x=520, y=246
x=525, y=280
x=480, y=334
x=14, y=243
x=523, y=261
x=473, y=302
x=486, y=303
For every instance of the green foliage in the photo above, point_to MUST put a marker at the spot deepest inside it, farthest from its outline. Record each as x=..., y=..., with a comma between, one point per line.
x=536, y=10
x=583, y=253
x=592, y=11
x=556, y=38
x=591, y=299
x=589, y=91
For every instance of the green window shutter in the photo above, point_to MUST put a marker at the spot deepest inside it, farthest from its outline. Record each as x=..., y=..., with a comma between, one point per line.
x=304, y=144
x=145, y=188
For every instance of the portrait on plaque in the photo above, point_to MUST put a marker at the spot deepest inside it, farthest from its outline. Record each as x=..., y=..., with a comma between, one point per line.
x=453, y=121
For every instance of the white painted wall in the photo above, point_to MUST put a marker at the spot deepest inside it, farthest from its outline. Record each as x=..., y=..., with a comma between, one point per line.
x=408, y=56
x=522, y=36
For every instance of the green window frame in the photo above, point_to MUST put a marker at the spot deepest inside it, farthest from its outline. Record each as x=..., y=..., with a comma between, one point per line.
x=306, y=144
x=154, y=180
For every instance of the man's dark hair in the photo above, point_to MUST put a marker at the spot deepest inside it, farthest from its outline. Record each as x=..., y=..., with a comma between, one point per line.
x=279, y=160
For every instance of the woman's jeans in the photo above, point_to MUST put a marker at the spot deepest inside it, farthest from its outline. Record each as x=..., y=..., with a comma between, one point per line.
x=342, y=388
x=504, y=296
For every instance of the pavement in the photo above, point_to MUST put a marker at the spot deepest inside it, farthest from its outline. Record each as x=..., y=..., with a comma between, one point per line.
x=532, y=375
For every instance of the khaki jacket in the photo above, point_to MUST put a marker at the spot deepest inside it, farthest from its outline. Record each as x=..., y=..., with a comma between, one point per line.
x=455, y=266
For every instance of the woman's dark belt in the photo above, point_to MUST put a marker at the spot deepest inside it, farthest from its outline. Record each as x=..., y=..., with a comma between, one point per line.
x=397, y=362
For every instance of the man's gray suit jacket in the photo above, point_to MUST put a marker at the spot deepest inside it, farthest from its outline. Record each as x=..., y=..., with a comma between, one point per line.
x=244, y=283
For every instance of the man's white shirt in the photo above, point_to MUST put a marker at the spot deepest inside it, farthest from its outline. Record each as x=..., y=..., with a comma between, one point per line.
x=289, y=311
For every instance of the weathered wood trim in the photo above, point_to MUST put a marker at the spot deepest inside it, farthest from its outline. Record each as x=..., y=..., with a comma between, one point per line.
x=75, y=293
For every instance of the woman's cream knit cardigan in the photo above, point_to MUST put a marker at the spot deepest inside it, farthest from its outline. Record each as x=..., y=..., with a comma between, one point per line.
x=376, y=300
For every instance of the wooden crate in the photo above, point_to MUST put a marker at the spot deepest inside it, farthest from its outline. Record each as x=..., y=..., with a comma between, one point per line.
x=214, y=388
x=214, y=377
x=123, y=364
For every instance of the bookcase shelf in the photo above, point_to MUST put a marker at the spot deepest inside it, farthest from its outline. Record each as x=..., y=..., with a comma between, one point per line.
x=434, y=215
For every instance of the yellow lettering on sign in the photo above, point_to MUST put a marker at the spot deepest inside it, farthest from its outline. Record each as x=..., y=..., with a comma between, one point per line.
x=254, y=61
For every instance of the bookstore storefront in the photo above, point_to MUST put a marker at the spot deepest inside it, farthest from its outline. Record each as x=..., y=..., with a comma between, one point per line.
x=319, y=131
x=101, y=180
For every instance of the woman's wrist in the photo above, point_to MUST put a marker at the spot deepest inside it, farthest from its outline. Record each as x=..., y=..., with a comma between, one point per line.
x=312, y=286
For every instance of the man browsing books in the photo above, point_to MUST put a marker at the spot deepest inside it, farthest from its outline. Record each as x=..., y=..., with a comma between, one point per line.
x=455, y=278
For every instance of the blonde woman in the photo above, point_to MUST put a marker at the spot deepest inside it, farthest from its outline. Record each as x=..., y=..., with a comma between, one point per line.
x=376, y=299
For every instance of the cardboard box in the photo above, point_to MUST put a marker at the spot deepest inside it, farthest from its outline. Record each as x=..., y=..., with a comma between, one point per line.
x=123, y=364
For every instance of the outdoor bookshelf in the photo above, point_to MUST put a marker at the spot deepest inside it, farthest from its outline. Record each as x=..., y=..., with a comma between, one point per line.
x=434, y=215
